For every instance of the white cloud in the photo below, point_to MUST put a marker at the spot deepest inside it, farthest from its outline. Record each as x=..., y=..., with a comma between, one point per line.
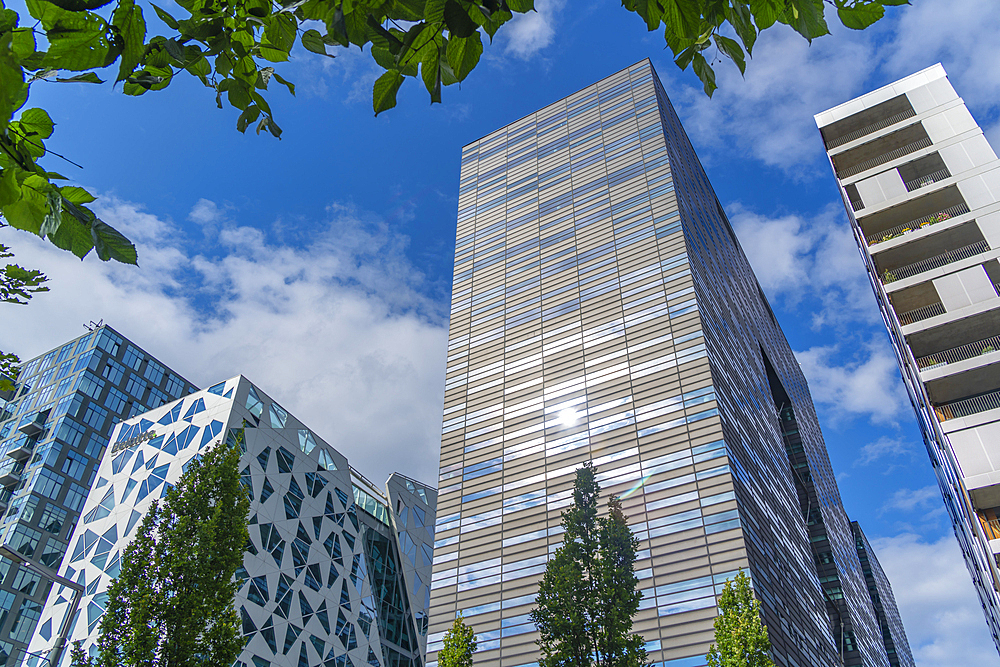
x=797, y=258
x=768, y=115
x=527, y=34
x=941, y=613
x=885, y=447
x=962, y=35
x=337, y=332
x=205, y=212
x=867, y=383
x=907, y=500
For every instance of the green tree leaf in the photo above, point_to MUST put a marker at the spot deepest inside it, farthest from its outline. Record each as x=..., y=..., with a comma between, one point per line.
x=464, y=53
x=731, y=48
x=36, y=122
x=87, y=77
x=166, y=17
x=313, y=41
x=705, y=73
x=860, y=15
x=384, y=91
x=78, y=40
x=457, y=20
x=127, y=19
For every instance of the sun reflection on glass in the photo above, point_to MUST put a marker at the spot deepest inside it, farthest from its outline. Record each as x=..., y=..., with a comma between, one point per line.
x=568, y=417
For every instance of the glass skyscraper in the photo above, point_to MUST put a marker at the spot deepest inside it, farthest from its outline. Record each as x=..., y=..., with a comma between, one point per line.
x=603, y=310
x=921, y=186
x=54, y=428
x=336, y=572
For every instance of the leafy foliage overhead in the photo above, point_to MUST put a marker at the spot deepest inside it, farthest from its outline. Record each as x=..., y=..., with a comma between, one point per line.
x=692, y=27
x=232, y=47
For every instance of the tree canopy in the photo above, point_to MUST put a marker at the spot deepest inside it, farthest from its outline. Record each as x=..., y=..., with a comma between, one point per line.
x=459, y=645
x=588, y=594
x=740, y=636
x=173, y=602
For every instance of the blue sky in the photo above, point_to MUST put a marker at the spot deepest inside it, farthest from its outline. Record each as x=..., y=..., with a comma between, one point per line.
x=320, y=265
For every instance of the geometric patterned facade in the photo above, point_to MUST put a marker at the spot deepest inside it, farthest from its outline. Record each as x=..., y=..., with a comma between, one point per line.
x=603, y=310
x=335, y=573
x=54, y=428
x=921, y=187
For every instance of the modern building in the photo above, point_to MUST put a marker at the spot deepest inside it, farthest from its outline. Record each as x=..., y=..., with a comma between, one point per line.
x=54, y=429
x=603, y=310
x=922, y=190
x=897, y=647
x=336, y=573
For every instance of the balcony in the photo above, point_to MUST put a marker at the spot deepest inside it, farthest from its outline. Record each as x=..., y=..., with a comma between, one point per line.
x=867, y=122
x=991, y=527
x=870, y=129
x=11, y=474
x=968, y=406
x=945, y=258
x=32, y=426
x=880, y=151
x=929, y=179
x=960, y=353
x=910, y=215
x=21, y=450
x=918, y=223
x=922, y=313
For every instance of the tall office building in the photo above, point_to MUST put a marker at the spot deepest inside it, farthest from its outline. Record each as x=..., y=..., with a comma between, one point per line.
x=336, y=572
x=897, y=648
x=603, y=310
x=54, y=429
x=922, y=190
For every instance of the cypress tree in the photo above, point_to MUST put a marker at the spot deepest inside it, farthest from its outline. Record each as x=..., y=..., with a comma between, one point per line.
x=588, y=595
x=173, y=603
x=740, y=636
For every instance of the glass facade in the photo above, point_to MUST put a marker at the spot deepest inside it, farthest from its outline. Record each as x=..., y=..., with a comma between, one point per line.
x=921, y=186
x=54, y=429
x=603, y=310
x=893, y=635
x=322, y=581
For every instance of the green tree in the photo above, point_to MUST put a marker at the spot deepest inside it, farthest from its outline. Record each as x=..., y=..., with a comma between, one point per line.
x=172, y=605
x=588, y=595
x=740, y=636
x=459, y=645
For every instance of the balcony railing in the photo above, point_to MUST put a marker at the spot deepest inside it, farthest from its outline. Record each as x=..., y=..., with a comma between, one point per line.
x=968, y=406
x=857, y=205
x=929, y=179
x=960, y=353
x=934, y=262
x=914, y=225
x=991, y=527
x=870, y=129
x=885, y=157
x=911, y=316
